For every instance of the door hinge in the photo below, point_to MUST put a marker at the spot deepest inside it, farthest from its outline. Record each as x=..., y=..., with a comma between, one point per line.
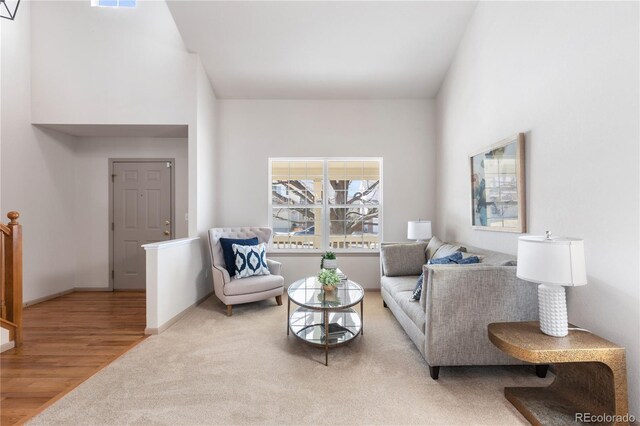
x=113, y=274
x=169, y=164
x=113, y=226
x=113, y=177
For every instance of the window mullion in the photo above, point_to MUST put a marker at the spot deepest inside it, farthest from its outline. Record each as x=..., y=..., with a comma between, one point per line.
x=325, y=206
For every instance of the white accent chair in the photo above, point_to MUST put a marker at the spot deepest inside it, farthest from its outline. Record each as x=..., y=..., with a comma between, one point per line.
x=236, y=291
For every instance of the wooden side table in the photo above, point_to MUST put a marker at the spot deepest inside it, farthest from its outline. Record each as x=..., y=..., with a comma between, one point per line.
x=591, y=375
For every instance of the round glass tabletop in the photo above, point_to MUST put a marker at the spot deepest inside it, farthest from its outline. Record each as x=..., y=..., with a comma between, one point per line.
x=308, y=292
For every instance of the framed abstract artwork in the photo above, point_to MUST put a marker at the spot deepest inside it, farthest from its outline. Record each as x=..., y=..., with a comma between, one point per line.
x=497, y=187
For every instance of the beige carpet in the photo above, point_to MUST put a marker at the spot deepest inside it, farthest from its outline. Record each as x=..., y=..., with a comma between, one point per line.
x=211, y=369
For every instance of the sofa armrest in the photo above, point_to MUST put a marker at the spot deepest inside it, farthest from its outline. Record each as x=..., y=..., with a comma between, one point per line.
x=462, y=300
x=274, y=267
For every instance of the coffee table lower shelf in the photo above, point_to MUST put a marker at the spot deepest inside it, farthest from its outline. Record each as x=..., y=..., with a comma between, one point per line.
x=309, y=326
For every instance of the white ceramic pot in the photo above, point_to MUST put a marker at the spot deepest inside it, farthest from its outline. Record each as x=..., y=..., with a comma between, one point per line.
x=330, y=264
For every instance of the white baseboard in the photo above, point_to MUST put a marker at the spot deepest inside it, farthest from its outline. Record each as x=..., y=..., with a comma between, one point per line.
x=176, y=318
x=62, y=293
x=92, y=289
x=7, y=346
x=45, y=298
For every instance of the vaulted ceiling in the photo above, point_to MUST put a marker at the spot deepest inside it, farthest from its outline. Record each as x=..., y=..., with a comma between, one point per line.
x=323, y=49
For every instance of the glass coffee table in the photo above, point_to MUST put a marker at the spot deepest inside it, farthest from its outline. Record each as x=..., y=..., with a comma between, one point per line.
x=325, y=318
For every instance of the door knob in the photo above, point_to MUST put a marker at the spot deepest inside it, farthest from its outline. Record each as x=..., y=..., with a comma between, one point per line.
x=167, y=233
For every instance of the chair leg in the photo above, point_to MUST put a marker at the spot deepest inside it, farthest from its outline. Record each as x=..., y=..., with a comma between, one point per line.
x=541, y=371
x=279, y=300
x=434, y=372
x=229, y=310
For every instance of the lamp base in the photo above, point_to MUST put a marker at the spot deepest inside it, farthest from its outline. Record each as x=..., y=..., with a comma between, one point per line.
x=552, y=306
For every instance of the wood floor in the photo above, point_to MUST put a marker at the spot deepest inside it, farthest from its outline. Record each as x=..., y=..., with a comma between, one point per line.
x=66, y=341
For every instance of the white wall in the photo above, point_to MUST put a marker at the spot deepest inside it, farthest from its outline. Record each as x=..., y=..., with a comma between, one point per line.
x=400, y=131
x=206, y=155
x=91, y=224
x=567, y=74
x=204, y=158
x=109, y=65
x=36, y=173
x=175, y=281
x=124, y=66
x=65, y=62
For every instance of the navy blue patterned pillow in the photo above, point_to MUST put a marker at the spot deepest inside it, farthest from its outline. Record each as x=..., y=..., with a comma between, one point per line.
x=227, y=251
x=418, y=290
x=250, y=260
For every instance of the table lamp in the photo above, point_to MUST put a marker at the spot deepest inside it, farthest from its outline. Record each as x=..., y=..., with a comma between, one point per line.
x=553, y=263
x=419, y=230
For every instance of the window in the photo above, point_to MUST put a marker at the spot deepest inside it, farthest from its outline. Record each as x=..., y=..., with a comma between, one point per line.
x=113, y=3
x=319, y=204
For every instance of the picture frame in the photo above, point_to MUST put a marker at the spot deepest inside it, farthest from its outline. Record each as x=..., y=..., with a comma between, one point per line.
x=497, y=176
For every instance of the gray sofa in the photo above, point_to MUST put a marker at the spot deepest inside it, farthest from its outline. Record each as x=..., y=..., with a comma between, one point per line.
x=448, y=324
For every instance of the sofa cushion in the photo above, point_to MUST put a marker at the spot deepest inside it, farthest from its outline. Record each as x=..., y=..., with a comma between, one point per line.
x=255, y=284
x=395, y=284
x=403, y=259
x=411, y=308
x=433, y=246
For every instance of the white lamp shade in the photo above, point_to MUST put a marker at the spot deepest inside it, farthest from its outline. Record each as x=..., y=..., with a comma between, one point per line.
x=555, y=261
x=419, y=230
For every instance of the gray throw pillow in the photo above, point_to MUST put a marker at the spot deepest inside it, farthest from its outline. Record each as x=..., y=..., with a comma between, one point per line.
x=433, y=246
x=403, y=259
x=447, y=249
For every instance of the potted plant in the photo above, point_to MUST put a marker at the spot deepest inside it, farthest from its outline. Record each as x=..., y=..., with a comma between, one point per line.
x=329, y=279
x=329, y=261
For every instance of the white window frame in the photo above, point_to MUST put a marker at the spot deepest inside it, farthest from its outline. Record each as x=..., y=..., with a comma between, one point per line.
x=325, y=206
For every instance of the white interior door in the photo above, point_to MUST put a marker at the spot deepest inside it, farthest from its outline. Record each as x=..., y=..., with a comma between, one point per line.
x=141, y=215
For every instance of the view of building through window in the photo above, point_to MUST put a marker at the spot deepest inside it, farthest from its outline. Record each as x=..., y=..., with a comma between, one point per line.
x=113, y=3
x=342, y=196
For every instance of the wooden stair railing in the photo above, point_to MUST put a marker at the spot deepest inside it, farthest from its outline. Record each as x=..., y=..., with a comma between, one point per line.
x=11, y=277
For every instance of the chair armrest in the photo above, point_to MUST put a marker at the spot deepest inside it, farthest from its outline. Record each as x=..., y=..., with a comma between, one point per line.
x=221, y=278
x=274, y=267
x=462, y=300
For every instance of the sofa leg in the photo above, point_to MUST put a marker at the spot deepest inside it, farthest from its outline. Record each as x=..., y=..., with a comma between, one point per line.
x=541, y=371
x=384, y=304
x=434, y=372
x=229, y=310
x=279, y=300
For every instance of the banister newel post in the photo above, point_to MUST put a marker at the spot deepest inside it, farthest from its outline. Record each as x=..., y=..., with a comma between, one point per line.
x=13, y=257
x=13, y=218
